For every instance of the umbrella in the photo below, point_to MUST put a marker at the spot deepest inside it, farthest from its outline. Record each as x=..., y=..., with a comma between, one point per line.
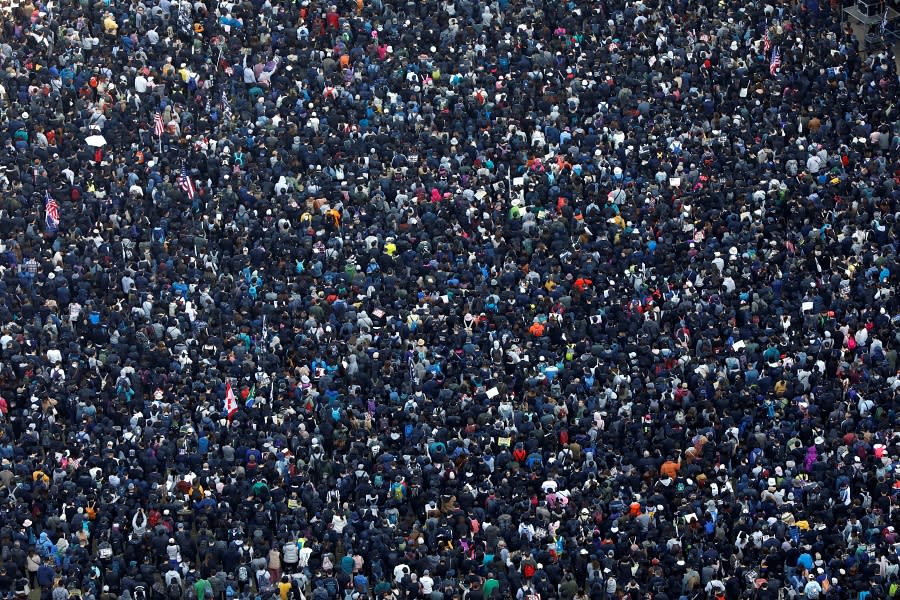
x=230, y=22
x=95, y=140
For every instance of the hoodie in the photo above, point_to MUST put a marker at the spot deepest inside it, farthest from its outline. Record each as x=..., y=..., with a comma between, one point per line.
x=44, y=546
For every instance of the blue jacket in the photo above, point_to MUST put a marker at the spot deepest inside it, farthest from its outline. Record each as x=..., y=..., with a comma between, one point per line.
x=45, y=547
x=45, y=576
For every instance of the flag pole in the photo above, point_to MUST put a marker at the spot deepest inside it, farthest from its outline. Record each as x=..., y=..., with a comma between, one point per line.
x=272, y=391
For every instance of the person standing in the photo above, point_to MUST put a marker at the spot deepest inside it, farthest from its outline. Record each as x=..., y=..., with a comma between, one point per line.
x=274, y=564
x=45, y=576
x=203, y=589
x=290, y=556
x=284, y=587
x=32, y=564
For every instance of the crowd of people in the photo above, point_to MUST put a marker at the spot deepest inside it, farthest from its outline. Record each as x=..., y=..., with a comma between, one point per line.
x=447, y=300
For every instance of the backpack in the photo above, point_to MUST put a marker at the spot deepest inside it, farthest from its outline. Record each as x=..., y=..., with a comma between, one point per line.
x=243, y=574
x=331, y=586
x=397, y=490
x=754, y=455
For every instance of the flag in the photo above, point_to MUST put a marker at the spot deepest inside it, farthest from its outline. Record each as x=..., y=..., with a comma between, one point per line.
x=158, y=127
x=251, y=397
x=412, y=371
x=226, y=107
x=775, y=62
x=230, y=402
x=186, y=183
x=51, y=209
x=185, y=22
x=884, y=22
x=767, y=43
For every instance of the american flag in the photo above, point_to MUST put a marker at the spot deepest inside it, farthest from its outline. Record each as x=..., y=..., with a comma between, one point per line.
x=767, y=43
x=186, y=183
x=158, y=126
x=226, y=107
x=775, y=62
x=51, y=209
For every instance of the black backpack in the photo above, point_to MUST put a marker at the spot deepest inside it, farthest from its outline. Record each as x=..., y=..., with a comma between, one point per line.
x=173, y=592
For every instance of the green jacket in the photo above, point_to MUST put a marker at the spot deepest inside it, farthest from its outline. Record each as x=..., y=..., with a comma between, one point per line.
x=201, y=587
x=488, y=588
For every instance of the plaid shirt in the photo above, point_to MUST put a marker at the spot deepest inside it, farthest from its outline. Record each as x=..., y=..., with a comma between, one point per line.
x=30, y=266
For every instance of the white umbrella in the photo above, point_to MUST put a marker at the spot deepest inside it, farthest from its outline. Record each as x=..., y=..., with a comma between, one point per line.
x=95, y=140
